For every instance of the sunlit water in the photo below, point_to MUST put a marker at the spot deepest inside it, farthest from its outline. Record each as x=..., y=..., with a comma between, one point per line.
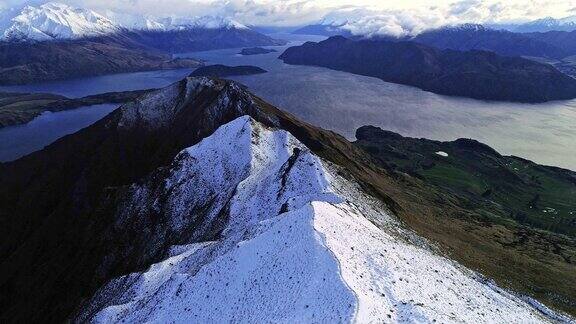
x=340, y=101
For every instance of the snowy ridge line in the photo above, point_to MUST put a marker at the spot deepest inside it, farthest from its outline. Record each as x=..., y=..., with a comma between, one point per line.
x=543, y=309
x=299, y=243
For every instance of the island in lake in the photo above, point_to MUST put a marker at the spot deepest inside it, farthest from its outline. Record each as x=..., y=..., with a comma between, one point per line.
x=219, y=70
x=256, y=51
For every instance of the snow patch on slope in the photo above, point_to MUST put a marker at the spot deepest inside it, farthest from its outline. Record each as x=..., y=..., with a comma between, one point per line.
x=299, y=243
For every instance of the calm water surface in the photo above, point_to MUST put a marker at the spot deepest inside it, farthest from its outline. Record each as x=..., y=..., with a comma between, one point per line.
x=340, y=101
x=17, y=141
x=20, y=140
x=82, y=87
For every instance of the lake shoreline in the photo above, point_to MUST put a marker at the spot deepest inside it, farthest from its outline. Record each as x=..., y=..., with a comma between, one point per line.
x=18, y=113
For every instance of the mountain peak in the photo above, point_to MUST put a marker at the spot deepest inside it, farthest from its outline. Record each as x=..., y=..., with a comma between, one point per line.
x=466, y=27
x=56, y=21
x=202, y=203
x=257, y=212
x=161, y=107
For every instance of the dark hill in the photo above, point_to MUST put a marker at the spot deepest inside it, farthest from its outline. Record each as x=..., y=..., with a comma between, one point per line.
x=502, y=42
x=28, y=62
x=474, y=74
x=256, y=51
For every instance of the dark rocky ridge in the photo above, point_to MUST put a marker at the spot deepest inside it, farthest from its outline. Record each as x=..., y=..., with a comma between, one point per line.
x=221, y=71
x=474, y=74
x=65, y=230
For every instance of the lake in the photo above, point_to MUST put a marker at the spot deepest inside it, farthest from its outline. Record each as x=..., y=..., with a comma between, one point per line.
x=340, y=101
x=16, y=141
x=82, y=87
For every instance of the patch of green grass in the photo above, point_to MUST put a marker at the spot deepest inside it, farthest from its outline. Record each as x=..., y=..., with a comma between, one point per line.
x=455, y=178
x=505, y=190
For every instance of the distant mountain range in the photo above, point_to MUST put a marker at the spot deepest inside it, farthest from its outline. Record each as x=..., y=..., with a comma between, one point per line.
x=475, y=74
x=342, y=23
x=323, y=30
x=55, y=41
x=505, y=41
x=478, y=37
x=59, y=21
x=541, y=25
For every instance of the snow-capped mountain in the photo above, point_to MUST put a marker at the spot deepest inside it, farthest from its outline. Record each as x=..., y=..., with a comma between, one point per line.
x=542, y=25
x=468, y=27
x=59, y=21
x=274, y=233
x=208, y=22
x=133, y=21
x=200, y=203
x=547, y=24
x=55, y=21
x=140, y=22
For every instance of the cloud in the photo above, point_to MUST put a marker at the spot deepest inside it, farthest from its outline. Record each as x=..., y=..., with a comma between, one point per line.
x=411, y=21
x=364, y=16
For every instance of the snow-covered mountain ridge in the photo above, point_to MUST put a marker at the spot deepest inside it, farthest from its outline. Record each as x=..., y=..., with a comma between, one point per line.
x=59, y=21
x=195, y=212
x=53, y=20
x=295, y=241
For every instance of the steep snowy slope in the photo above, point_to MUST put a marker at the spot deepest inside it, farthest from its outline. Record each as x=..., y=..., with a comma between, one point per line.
x=56, y=21
x=295, y=241
x=150, y=212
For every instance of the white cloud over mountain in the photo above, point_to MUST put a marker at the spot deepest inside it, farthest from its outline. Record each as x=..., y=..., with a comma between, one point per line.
x=364, y=16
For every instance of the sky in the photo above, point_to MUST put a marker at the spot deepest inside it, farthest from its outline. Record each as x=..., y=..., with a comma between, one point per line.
x=391, y=16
